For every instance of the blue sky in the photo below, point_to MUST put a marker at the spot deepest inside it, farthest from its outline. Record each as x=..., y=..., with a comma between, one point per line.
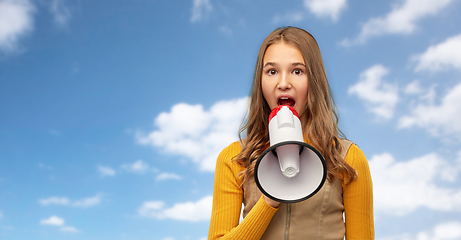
x=112, y=113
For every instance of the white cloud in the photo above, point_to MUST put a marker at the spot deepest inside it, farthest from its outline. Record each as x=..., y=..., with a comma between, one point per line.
x=401, y=187
x=440, y=120
x=137, y=167
x=87, y=202
x=449, y=230
x=167, y=176
x=188, y=211
x=320, y=8
x=54, y=201
x=379, y=96
x=225, y=30
x=43, y=166
x=106, y=171
x=200, y=9
x=413, y=88
x=16, y=21
x=149, y=207
x=64, y=201
x=53, y=220
x=58, y=222
x=401, y=20
x=191, y=131
x=69, y=229
x=440, y=57
x=443, y=231
x=426, y=95
x=326, y=8
x=60, y=11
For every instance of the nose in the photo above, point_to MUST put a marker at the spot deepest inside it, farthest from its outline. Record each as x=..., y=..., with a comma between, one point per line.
x=284, y=82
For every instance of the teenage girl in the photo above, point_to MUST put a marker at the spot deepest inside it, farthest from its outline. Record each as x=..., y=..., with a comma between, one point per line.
x=290, y=71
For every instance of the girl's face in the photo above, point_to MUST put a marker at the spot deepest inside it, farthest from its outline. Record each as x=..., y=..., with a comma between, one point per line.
x=284, y=77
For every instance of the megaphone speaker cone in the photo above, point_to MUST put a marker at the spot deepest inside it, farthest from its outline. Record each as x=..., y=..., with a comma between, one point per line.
x=273, y=183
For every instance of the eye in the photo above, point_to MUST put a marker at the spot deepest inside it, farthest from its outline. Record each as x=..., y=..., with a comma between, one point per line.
x=297, y=71
x=271, y=72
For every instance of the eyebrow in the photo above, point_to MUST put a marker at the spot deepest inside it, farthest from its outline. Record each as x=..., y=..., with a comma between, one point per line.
x=298, y=63
x=275, y=64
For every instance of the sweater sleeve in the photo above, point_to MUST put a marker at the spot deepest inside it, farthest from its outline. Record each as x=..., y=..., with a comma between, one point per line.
x=227, y=203
x=358, y=198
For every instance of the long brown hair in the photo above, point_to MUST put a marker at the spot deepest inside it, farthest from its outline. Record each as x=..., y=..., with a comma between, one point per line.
x=320, y=120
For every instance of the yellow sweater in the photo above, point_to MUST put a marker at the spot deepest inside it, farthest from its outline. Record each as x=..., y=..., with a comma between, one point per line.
x=228, y=198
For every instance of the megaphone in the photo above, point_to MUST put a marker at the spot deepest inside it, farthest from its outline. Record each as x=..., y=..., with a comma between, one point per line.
x=290, y=170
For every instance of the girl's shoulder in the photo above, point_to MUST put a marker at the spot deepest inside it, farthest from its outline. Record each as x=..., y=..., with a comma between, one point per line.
x=229, y=152
x=234, y=147
x=354, y=156
x=226, y=159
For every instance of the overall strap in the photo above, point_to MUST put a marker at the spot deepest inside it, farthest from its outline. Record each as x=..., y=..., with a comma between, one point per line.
x=345, y=144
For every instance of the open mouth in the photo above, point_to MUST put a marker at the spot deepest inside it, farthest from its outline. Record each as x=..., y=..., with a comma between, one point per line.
x=286, y=101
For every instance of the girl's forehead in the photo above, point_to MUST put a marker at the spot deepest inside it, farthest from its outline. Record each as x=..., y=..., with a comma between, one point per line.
x=280, y=53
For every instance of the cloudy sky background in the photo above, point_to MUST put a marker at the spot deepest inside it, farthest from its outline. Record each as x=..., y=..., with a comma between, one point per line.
x=112, y=113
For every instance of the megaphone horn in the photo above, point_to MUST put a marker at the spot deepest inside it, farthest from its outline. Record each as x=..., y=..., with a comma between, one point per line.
x=290, y=170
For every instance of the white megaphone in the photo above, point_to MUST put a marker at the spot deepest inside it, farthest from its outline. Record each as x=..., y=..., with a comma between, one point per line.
x=290, y=170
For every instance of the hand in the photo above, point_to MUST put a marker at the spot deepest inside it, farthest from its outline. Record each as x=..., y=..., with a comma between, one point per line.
x=271, y=202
